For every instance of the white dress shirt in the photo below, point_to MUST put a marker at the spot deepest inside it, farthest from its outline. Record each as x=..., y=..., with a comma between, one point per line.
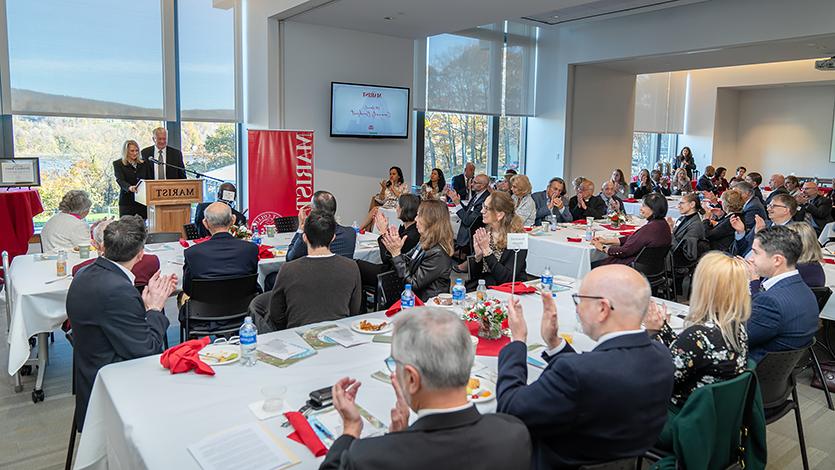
x=769, y=283
x=125, y=270
x=436, y=411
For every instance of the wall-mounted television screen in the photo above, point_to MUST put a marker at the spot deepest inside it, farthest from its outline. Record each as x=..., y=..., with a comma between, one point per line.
x=369, y=111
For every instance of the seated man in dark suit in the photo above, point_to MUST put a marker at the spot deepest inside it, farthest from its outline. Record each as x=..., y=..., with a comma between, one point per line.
x=343, y=244
x=585, y=203
x=431, y=358
x=784, y=314
x=781, y=211
x=111, y=321
x=226, y=194
x=552, y=201
x=815, y=208
x=755, y=180
x=705, y=182
x=605, y=404
x=610, y=198
x=469, y=213
x=462, y=184
x=752, y=207
x=777, y=183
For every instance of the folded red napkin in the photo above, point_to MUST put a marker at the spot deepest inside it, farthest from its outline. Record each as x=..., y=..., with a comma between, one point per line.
x=450, y=205
x=621, y=227
x=629, y=199
x=362, y=231
x=520, y=288
x=829, y=260
x=184, y=243
x=627, y=233
x=396, y=307
x=579, y=222
x=487, y=347
x=304, y=434
x=528, y=229
x=264, y=252
x=183, y=357
x=574, y=240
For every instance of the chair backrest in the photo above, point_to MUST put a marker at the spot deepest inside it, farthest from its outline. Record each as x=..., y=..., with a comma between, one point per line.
x=163, y=237
x=191, y=231
x=822, y=295
x=630, y=463
x=222, y=297
x=286, y=224
x=776, y=375
x=651, y=261
x=389, y=287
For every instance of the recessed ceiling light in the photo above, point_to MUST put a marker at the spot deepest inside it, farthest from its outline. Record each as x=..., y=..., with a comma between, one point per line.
x=555, y=16
x=388, y=18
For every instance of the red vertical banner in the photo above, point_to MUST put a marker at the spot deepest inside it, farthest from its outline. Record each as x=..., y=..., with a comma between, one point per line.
x=280, y=174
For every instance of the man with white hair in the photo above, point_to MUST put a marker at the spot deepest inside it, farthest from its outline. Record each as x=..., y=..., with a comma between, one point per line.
x=469, y=213
x=585, y=203
x=777, y=183
x=169, y=161
x=605, y=404
x=463, y=183
x=608, y=193
x=431, y=358
x=143, y=270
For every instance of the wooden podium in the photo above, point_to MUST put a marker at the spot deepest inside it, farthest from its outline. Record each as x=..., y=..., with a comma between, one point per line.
x=169, y=202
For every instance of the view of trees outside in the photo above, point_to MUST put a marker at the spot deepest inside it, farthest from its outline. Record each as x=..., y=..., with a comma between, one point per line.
x=78, y=153
x=649, y=149
x=210, y=148
x=452, y=140
x=510, y=144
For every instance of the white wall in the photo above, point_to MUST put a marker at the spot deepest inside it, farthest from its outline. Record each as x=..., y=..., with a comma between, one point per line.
x=786, y=130
x=725, y=128
x=312, y=57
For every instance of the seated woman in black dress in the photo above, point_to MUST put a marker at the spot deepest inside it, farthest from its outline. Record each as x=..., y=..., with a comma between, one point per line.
x=714, y=345
x=426, y=266
x=655, y=233
x=643, y=186
x=128, y=170
x=407, y=207
x=492, y=261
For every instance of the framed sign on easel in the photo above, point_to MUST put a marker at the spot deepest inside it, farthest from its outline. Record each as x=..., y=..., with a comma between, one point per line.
x=19, y=172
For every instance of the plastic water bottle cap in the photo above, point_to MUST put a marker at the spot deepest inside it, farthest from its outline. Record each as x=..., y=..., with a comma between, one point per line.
x=459, y=281
x=248, y=320
x=408, y=286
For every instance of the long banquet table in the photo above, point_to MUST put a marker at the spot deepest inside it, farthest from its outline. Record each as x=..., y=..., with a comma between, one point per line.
x=140, y=416
x=38, y=305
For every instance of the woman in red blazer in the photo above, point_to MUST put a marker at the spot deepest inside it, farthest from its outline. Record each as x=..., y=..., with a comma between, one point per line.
x=655, y=233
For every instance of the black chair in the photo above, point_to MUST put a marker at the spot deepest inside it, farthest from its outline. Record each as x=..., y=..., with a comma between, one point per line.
x=163, y=237
x=778, y=384
x=652, y=262
x=822, y=295
x=630, y=463
x=389, y=287
x=286, y=224
x=191, y=231
x=218, y=306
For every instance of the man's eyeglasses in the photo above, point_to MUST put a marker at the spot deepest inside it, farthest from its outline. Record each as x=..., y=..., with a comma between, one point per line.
x=772, y=206
x=391, y=364
x=577, y=298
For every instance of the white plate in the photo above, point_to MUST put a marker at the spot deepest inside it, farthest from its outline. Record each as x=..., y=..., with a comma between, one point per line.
x=485, y=385
x=211, y=353
x=389, y=326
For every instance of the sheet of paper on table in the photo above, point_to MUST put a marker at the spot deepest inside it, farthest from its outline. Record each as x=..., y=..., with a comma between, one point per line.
x=254, y=449
x=347, y=338
x=281, y=349
x=157, y=248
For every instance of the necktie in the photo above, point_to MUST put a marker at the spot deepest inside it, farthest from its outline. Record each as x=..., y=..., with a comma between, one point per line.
x=161, y=165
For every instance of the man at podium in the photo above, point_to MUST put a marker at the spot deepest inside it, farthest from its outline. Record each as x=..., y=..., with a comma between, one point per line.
x=167, y=158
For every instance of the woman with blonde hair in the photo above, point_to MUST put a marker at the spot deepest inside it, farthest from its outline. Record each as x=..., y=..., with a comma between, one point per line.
x=129, y=171
x=809, y=264
x=714, y=345
x=681, y=183
x=523, y=203
x=426, y=266
x=492, y=261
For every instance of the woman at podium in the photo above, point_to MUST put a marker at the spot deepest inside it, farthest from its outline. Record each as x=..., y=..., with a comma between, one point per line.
x=128, y=171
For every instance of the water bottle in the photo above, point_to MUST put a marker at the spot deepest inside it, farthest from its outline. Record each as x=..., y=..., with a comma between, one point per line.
x=459, y=292
x=61, y=263
x=546, y=281
x=407, y=298
x=249, y=341
x=256, y=235
x=481, y=291
x=589, y=231
x=356, y=227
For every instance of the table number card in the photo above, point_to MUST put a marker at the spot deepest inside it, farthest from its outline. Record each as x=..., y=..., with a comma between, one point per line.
x=517, y=241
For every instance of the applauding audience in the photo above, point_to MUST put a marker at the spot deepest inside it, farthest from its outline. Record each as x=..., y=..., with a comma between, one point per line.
x=426, y=266
x=605, y=404
x=430, y=363
x=390, y=190
x=718, y=229
x=705, y=182
x=524, y=205
x=407, y=207
x=67, y=229
x=621, y=186
x=740, y=174
x=752, y=207
x=469, y=213
x=435, y=188
x=719, y=182
x=343, y=244
x=681, y=183
x=585, y=203
x=778, y=186
x=781, y=211
x=755, y=180
x=610, y=197
x=659, y=183
x=656, y=233
x=815, y=208
x=688, y=231
x=643, y=186
x=492, y=261
x=809, y=263
x=552, y=202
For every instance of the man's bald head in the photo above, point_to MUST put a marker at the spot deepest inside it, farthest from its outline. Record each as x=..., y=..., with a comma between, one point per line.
x=218, y=217
x=613, y=298
x=777, y=180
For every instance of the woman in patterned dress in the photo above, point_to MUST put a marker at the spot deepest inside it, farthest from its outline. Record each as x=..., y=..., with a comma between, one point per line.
x=714, y=345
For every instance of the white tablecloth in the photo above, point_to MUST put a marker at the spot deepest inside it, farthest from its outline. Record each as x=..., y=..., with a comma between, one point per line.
x=38, y=307
x=140, y=416
x=828, y=312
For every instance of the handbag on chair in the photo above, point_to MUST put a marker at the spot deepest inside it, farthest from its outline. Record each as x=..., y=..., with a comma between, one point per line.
x=828, y=369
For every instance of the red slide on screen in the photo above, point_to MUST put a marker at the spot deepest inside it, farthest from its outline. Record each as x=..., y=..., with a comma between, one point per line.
x=280, y=174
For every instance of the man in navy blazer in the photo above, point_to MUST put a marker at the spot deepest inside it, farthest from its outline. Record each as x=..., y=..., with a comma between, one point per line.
x=753, y=206
x=461, y=183
x=222, y=255
x=552, y=201
x=784, y=311
x=111, y=321
x=781, y=211
x=469, y=213
x=605, y=404
x=345, y=241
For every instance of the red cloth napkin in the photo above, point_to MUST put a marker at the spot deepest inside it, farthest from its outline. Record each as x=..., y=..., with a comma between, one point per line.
x=450, y=205
x=183, y=357
x=574, y=240
x=183, y=243
x=829, y=260
x=264, y=252
x=521, y=288
x=487, y=347
x=396, y=307
x=629, y=199
x=579, y=222
x=528, y=229
x=626, y=234
x=304, y=434
x=622, y=227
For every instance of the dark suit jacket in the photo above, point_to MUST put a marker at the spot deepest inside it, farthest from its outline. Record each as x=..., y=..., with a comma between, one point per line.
x=618, y=199
x=540, y=198
x=758, y=193
x=689, y=233
x=428, y=272
x=127, y=176
x=655, y=233
x=688, y=163
x=412, y=238
x=776, y=191
x=820, y=208
x=604, y=404
x=457, y=440
x=221, y=256
x=705, y=183
x=459, y=185
x=720, y=236
x=143, y=270
x=199, y=215
x=594, y=208
x=750, y=209
x=639, y=191
x=471, y=220
x=501, y=270
x=344, y=244
x=172, y=157
x=783, y=317
x=109, y=324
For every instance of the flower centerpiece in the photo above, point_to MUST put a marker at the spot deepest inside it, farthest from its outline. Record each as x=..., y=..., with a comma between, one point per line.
x=616, y=218
x=490, y=315
x=240, y=232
